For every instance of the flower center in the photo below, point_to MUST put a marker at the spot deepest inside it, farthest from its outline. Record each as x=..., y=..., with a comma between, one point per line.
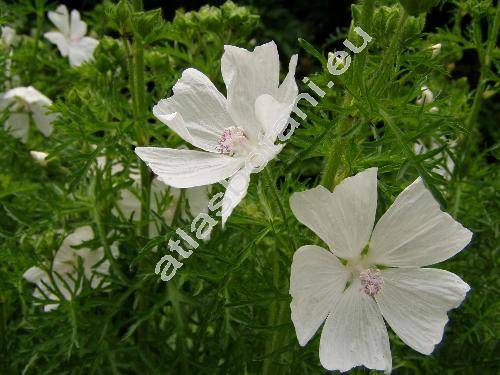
x=371, y=280
x=231, y=141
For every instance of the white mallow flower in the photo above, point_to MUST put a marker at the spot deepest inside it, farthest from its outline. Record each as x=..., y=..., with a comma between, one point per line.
x=70, y=39
x=371, y=274
x=23, y=102
x=40, y=157
x=196, y=197
x=446, y=165
x=8, y=35
x=129, y=203
x=426, y=97
x=436, y=49
x=63, y=278
x=237, y=134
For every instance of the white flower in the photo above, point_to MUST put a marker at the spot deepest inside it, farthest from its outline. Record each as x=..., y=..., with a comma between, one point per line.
x=23, y=102
x=8, y=35
x=40, y=157
x=371, y=274
x=129, y=203
x=237, y=133
x=427, y=96
x=64, y=269
x=436, y=49
x=196, y=197
x=447, y=165
x=70, y=39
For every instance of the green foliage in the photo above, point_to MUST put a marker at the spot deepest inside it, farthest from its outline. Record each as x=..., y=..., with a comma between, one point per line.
x=227, y=310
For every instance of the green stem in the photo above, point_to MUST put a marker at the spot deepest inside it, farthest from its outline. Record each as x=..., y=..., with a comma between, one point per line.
x=140, y=92
x=104, y=241
x=330, y=171
x=3, y=335
x=38, y=33
x=276, y=196
x=179, y=323
x=271, y=344
x=387, y=60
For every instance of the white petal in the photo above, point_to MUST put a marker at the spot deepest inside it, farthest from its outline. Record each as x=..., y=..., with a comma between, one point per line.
x=272, y=115
x=90, y=260
x=78, y=28
x=28, y=94
x=197, y=198
x=18, y=125
x=197, y=111
x=355, y=334
x=415, y=232
x=288, y=90
x=343, y=219
x=188, y=168
x=129, y=204
x=34, y=274
x=60, y=18
x=414, y=301
x=235, y=192
x=59, y=40
x=8, y=35
x=82, y=51
x=317, y=280
x=43, y=119
x=248, y=75
x=79, y=235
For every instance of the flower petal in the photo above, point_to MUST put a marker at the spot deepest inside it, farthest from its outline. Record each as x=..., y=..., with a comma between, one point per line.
x=235, y=192
x=248, y=75
x=415, y=232
x=43, y=119
x=197, y=111
x=18, y=125
x=82, y=51
x=60, y=18
x=188, y=168
x=28, y=94
x=78, y=28
x=317, y=280
x=288, y=90
x=272, y=115
x=59, y=40
x=342, y=219
x=414, y=301
x=355, y=334
x=34, y=274
x=198, y=200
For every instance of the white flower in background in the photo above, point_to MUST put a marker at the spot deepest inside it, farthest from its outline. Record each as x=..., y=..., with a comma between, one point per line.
x=9, y=38
x=8, y=35
x=371, y=274
x=447, y=165
x=70, y=39
x=129, y=204
x=64, y=269
x=436, y=49
x=237, y=133
x=197, y=198
x=23, y=102
x=426, y=97
x=39, y=157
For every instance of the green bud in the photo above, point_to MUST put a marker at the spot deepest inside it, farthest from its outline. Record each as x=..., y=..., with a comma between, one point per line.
x=121, y=15
x=416, y=7
x=145, y=23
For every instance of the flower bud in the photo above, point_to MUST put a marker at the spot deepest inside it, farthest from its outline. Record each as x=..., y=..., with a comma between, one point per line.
x=415, y=7
x=39, y=157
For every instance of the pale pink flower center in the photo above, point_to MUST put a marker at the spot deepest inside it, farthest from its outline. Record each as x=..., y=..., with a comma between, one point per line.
x=371, y=280
x=231, y=140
